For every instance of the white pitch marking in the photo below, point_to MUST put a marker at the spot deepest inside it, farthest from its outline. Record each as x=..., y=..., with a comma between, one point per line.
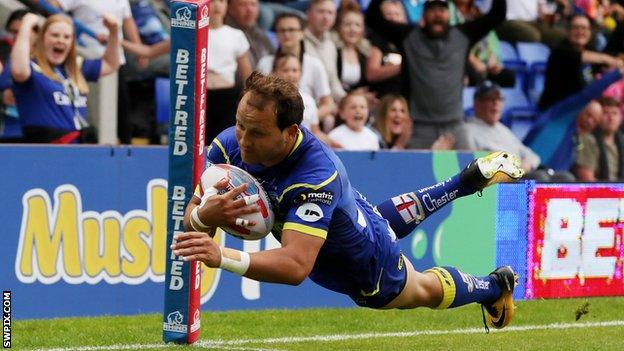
x=230, y=344
x=152, y=346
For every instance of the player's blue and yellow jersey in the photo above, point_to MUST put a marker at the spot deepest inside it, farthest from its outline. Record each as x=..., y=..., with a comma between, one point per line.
x=311, y=194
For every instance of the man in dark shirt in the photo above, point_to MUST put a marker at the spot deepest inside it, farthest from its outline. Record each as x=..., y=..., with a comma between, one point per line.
x=568, y=69
x=435, y=61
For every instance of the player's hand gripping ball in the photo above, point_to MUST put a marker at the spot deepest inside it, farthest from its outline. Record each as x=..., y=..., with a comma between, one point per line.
x=263, y=219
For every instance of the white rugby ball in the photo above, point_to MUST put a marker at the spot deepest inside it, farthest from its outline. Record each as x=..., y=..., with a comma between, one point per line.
x=263, y=219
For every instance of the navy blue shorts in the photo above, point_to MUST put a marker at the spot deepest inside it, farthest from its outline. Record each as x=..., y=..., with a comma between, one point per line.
x=391, y=281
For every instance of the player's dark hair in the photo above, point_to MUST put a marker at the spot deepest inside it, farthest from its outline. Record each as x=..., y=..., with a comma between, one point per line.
x=272, y=89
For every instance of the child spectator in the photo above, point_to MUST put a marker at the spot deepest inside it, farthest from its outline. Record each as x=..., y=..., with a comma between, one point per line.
x=354, y=134
x=288, y=67
x=50, y=83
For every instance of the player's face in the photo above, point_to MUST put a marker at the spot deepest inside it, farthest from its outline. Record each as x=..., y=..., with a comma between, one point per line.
x=57, y=42
x=321, y=16
x=289, y=70
x=259, y=138
x=397, y=117
x=355, y=112
x=611, y=119
x=289, y=32
x=352, y=28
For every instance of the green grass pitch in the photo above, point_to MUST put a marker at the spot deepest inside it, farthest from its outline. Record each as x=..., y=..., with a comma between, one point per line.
x=538, y=325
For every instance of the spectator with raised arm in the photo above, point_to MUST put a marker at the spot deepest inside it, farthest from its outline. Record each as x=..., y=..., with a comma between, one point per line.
x=50, y=81
x=435, y=62
x=568, y=69
x=90, y=13
x=7, y=98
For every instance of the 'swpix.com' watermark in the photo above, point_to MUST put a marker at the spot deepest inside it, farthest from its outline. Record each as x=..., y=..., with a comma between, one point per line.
x=6, y=319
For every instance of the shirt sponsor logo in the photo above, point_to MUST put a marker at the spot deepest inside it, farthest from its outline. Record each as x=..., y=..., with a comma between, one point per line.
x=323, y=197
x=310, y=212
x=183, y=18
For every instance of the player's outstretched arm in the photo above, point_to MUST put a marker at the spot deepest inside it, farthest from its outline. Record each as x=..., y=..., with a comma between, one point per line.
x=289, y=264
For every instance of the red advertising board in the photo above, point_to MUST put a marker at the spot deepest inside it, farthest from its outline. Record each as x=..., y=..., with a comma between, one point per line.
x=575, y=244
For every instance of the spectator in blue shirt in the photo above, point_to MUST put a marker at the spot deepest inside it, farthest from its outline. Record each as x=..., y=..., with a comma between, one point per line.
x=50, y=81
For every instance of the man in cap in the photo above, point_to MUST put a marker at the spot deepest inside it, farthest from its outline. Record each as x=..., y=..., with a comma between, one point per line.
x=488, y=133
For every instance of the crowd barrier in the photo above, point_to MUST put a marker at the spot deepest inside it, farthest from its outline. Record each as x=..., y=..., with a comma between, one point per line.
x=84, y=232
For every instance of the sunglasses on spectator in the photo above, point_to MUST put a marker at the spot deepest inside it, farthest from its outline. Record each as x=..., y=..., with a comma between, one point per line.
x=579, y=27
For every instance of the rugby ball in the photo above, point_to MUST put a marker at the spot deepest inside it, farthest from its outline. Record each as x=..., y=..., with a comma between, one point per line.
x=263, y=219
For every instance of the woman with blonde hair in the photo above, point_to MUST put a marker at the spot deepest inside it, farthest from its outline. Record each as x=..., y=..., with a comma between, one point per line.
x=394, y=126
x=393, y=123
x=50, y=81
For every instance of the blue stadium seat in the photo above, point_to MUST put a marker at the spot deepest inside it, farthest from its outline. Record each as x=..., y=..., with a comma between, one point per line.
x=519, y=113
x=510, y=59
x=468, y=100
x=163, y=100
x=535, y=82
x=521, y=126
x=508, y=52
x=516, y=102
x=533, y=53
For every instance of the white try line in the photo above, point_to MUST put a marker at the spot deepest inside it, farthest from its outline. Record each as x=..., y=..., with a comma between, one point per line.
x=232, y=344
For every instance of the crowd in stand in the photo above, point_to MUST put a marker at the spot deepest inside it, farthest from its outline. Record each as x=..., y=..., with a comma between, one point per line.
x=379, y=74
